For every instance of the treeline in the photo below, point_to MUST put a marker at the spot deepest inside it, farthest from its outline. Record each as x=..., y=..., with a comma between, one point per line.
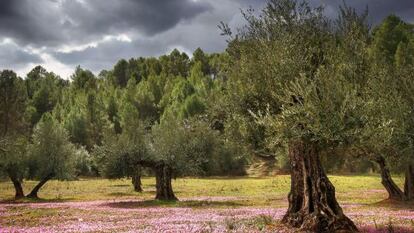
x=152, y=109
x=316, y=93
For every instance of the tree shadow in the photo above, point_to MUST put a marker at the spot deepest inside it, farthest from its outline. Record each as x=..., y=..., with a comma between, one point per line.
x=121, y=194
x=229, y=177
x=131, y=194
x=394, y=204
x=157, y=203
x=387, y=228
x=27, y=200
x=120, y=185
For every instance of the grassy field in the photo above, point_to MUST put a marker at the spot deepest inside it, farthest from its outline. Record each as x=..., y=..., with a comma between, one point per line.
x=206, y=205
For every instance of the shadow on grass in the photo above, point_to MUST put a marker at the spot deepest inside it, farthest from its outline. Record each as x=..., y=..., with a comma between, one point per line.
x=230, y=177
x=394, y=204
x=385, y=229
x=35, y=200
x=121, y=194
x=120, y=185
x=157, y=203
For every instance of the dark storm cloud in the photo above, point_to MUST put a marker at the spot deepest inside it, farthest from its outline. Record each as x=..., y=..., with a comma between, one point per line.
x=23, y=21
x=201, y=32
x=50, y=23
x=147, y=16
x=56, y=22
x=377, y=9
x=62, y=29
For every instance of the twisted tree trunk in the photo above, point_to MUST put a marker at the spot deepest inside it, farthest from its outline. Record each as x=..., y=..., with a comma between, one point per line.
x=312, y=203
x=16, y=183
x=409, y=183
x=136, y=180
x=394, y=192
x=163, y=177
x=35, y=190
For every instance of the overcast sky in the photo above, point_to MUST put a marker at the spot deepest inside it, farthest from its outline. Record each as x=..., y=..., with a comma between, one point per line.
x=61, y=34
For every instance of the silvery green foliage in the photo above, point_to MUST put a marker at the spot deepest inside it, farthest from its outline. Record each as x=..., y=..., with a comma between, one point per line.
x=303, y=76
x=51, y=151
x=13, y=101
x=13, y=156
x=185, y=146
x=83, y=162
x=120, y=154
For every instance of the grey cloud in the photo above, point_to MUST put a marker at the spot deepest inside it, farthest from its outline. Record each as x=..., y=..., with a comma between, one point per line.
x=12, y=56
x=107, y=53
x=28, y=21
x=377, y=9
x=201, y=31
x=148, y=16
x=51, y=23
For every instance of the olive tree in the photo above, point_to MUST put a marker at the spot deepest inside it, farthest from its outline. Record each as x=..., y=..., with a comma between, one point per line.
x=172, y=149
x=180, y=149
x=13, y=161
x=119, y=157
x=383, y=138
x=301, y=77
x=51, y=153
x=13, y=128
x=388, y=133
x=121, y=154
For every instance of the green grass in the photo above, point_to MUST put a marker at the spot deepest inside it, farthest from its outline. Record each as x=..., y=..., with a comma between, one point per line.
x=257, y=191
x=26, y=217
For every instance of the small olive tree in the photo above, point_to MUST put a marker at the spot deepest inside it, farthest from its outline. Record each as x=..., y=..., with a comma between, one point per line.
x=51, y=153
x=13, y=128
x=120, y=154
x=384, y=140
x=172, y=149
x=180, y=149
x=13, y=161
x=388, y=131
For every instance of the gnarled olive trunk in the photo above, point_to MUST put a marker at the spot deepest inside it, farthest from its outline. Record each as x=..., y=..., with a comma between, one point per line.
x=136, y=180
x=409, y=183
x=394, y=192
x=312, y=203
x=17, y=183
x=35, y=190
x=163, y=177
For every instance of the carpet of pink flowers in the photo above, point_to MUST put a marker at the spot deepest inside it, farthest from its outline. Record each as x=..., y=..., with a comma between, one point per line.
x=136, y=216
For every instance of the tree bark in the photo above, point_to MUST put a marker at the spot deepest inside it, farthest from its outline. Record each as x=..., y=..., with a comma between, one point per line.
x=394, y=192
x=136, y=180
x=17, y=185
x=312, y=203
x=35, y=190
x=163, y=177
x=409, y=183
